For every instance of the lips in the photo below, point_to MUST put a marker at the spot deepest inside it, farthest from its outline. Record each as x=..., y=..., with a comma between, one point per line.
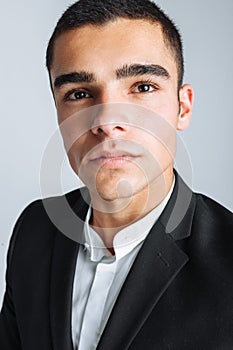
x=110, y=154
x=115, y=158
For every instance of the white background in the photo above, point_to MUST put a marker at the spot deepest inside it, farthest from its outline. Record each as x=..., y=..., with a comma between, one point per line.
x=28, y=116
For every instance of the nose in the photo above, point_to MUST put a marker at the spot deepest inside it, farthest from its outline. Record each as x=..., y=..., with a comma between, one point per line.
x=109, y=121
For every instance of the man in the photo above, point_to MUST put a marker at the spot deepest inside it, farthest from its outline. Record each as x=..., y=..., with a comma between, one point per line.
x=149, y=264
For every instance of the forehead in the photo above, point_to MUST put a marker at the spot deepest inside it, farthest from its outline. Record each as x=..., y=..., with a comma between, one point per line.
x=115, y=43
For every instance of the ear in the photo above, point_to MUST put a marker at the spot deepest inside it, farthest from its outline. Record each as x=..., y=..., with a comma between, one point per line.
x=186, y=96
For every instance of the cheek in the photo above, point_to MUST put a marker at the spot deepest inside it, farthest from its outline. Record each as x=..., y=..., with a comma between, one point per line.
x=77, y=150
x=166, y=106
x=74, y=130
x=75, y=155
x=160, y=143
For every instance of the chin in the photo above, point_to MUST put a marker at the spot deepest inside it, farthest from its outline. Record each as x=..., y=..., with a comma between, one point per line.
x=123, y=189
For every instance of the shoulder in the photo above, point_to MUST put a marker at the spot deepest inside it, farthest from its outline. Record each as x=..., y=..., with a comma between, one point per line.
x=210, y=244
x=37, y=212
x=39, y=221
x=211, y=213
x=38, y=209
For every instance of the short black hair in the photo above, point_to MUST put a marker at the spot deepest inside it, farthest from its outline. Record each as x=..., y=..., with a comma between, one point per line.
x=92, y=12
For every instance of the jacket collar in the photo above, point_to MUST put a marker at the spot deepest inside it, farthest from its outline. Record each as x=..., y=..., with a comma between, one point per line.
x=177, y=217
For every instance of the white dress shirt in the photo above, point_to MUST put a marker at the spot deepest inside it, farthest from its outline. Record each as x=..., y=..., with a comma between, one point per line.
x=99, y=276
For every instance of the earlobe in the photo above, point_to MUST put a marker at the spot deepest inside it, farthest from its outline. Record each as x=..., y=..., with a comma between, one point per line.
x=186, y=96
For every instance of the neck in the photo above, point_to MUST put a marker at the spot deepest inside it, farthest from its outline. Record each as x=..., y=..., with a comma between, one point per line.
x=111, y=217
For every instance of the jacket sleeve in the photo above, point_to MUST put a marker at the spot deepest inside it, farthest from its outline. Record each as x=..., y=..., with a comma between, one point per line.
x=9, y=335
x=9, y=329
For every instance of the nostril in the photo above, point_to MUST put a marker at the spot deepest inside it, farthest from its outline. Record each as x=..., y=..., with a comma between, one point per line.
x=108, y=129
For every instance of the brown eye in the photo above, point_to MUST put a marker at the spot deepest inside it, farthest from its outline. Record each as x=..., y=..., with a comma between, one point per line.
x=144, y=88
x=78, y=95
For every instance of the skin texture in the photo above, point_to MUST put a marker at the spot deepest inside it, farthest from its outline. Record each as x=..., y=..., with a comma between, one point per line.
x=134, y=113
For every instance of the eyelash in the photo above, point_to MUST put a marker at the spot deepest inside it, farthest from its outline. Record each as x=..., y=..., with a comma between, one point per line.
x=138, y=84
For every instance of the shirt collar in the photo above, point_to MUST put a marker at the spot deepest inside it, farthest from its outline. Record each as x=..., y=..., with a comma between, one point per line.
x=126, y=239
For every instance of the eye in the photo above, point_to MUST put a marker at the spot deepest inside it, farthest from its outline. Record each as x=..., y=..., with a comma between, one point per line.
x=77, y=95
x=144, y=87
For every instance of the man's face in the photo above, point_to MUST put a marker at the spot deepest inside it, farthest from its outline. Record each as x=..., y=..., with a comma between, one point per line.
x=108, y=78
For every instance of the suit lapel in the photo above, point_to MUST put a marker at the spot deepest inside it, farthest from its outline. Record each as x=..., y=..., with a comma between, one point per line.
x=63, y=265
x=62, y=275
x=157, y=264
x=159, y=261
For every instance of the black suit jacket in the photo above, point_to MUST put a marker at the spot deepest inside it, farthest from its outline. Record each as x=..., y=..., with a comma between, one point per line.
x=177, y=295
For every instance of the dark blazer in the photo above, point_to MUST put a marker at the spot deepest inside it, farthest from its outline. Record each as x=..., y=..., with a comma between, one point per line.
x=178, y=294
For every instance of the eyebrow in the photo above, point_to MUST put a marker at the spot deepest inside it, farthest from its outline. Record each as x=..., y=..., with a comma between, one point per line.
x=134, y=70
x=75, y=77
x=126, y=71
